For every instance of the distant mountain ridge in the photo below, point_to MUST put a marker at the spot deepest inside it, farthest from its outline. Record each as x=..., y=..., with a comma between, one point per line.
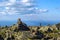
x=29, y=23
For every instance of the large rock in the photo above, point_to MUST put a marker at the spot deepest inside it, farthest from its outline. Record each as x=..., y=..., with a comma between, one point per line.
x=22, y=26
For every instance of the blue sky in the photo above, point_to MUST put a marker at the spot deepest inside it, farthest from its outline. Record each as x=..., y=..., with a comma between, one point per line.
x=33, y=10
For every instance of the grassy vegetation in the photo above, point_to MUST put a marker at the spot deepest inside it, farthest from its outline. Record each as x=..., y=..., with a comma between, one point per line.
x=34, y=33
x=7, y=32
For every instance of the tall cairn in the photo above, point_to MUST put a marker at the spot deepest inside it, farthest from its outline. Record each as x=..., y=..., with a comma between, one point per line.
x=19, y=23
x=21, y=26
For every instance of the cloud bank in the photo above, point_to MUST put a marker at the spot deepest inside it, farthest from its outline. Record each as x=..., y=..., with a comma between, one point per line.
x=18, y=7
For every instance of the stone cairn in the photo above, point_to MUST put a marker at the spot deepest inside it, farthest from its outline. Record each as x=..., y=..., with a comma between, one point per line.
x=22, y=26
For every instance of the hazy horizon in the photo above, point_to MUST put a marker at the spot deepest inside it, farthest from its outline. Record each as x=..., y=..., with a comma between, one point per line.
x=29, y=23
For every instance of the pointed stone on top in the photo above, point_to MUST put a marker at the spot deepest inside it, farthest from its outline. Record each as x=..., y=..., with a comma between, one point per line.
x=19, y=21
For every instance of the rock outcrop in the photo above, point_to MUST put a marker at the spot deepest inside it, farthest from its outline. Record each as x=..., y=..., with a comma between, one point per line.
x=22, y=26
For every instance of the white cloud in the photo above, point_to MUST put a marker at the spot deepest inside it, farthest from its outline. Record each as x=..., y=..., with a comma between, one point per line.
x=8, y=4
x=7, y=8
x=2, y=13
x=12, y=1
x=43, y=10
x=24, y=1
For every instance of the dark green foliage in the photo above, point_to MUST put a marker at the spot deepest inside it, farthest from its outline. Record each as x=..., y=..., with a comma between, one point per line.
x=47, y=38
x=55, y=38
x=58, y=26
x=49, y=25
x=49, y=30
x=33, y=31
x=11, y=38
x=38, y=28
x=39, y=35
x=1, y=38
x=14, y=24
x=6, y=26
